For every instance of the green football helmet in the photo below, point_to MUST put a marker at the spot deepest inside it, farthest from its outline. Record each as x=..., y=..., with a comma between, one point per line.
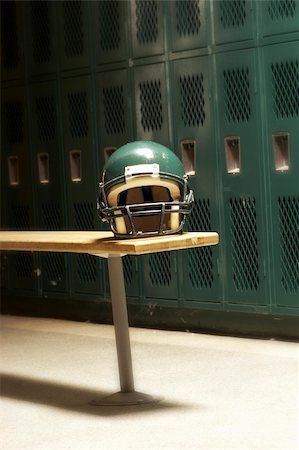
x=144, y=191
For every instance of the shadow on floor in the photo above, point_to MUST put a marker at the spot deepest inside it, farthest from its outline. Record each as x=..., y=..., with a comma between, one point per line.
x=73, y=398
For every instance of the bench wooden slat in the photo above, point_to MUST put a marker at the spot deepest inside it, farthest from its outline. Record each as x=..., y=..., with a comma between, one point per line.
x=100, y=242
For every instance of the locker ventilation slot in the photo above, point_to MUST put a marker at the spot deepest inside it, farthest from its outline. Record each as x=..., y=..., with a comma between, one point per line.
x=109, y=28
x=46, y=119
x=281, y=149
x=87, y=268
x=41, y=38
x=187, y=17
x=285, y=85
x=14, y=120
x=147, y=21
x=188, y=157
x=232, y=13
x=9, y=35
x=13, y=170
x=51, y=216
x=200, y=260
x=232, y=154
x=73, y=28
x=84, y=215
x=151, y=105
x=54, y=268
x=114, y=110
x=78, y=114
x=192, y=100
x=43, y=168
x=237, y=94
x=281, y=9
x=160, y=269
x=23, y=265
x=244, y=244
x=75, y=165
x=20, y=217
x=289, y=242
x=128, y=269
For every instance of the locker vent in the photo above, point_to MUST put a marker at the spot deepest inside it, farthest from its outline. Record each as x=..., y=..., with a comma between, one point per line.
x=285, y=86
x=78, y=116
x=128, y=269
x=73, y=28
x=281, y=9
x=87, y=268
x=84, y=215
x=109, y=25
x=23, y=265
x=160, y=271
x=114, y=110
x=244, y=244
x=192, y=100
x=46, y=120
x=151, y=105
x=289, y=243
x=237, y=95
x=14, y=120
x=53, y=264
x=9, y=35
x=147, y=21
x=200, y=261
x=20, y=219
x=232, y=13
x=51, y=216
x=41, y=31
x=187, y=17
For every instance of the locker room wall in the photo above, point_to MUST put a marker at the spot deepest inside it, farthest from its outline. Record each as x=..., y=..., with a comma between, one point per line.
x=216, y=79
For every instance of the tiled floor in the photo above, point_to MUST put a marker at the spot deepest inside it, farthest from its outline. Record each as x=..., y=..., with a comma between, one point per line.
x=218, y=392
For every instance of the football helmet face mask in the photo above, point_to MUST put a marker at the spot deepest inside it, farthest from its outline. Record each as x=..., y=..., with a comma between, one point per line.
x=143, y=191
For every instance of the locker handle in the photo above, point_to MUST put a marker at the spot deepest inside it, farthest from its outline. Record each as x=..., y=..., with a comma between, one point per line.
x=108, y=152
x=13, y=170
x=189, y=156
x=43, y=167
x=232, y=154
x=281, y=148
x=75, y=166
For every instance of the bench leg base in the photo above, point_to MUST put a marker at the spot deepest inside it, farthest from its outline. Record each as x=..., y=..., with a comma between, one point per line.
x=126, y=398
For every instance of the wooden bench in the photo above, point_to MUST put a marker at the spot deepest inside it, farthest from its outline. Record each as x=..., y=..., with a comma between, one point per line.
x=103, y=244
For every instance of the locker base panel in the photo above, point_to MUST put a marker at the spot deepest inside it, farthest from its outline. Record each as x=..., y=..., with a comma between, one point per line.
x=231, y=323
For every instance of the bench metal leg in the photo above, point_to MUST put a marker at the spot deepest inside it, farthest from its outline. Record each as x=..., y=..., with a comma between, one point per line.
x=127, y=394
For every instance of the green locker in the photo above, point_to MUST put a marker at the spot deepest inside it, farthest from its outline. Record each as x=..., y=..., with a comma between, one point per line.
x=152, y=123
x=244, y=238
x=110, y=30
x=147, y=27
x=194, y=138
x=74, y=28
x=189, y=24
x=281, y=78
x=48, y=183
x=12, y=60
x=17, y=185
x=279, y=18
x=40, y=37
x=234, y=21
x=114, y=107
x=81, y=177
